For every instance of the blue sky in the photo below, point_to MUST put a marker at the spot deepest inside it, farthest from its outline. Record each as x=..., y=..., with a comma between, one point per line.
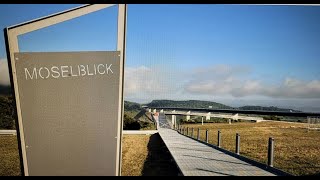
x=234, y=54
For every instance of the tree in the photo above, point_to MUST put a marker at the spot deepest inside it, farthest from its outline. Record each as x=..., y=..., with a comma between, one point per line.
x=130, y=124
x=7, y=112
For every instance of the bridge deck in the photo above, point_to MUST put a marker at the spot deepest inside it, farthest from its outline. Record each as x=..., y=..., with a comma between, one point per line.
x=197, y=159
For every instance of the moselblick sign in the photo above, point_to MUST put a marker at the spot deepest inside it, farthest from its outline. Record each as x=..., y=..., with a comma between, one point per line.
x=69, y=104
x=70, y=109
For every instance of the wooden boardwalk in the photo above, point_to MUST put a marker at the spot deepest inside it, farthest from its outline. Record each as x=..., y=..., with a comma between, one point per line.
x=197, y=159
x=8, y=132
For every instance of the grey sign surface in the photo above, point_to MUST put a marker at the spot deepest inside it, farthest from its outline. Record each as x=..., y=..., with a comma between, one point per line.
x=70, y=108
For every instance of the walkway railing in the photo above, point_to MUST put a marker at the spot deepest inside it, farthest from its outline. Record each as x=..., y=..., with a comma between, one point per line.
x=269, y=166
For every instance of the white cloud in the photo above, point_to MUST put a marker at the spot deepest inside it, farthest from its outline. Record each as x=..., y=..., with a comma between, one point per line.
x=4, y=73
x=294, y=88
x=229, y=80
x=220, y=71
x=144, y=81
x=159, y=81
x=134, y=79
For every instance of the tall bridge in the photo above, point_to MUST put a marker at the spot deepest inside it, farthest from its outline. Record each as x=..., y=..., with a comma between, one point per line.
x=230, y=114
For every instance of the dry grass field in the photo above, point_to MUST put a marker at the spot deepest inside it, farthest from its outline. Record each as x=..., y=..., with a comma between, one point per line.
x=296, y=149
x=146, y=156
x=134, y=153
x=9, y=156
x=142, y=155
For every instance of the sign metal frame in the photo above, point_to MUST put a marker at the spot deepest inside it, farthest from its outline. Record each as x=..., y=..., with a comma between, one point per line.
x=12, y=46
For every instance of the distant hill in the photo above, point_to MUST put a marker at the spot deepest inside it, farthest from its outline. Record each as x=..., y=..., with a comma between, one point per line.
x=215, y=105
x=187, y=104
x=270, y=108
x=132, y=106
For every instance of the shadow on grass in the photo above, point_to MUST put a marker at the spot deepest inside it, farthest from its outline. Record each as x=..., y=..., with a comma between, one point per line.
x=159, y=161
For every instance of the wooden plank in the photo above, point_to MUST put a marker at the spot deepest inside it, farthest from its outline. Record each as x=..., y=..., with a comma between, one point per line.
x=143, y=132
x=8, y=132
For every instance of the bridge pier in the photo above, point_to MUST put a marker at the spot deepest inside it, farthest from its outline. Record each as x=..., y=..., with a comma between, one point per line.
x=208, y=116
x=188, y=116
x=154, y=110
x=234, y=117
x=161, y=111
x=173, y=119
x=149, y=110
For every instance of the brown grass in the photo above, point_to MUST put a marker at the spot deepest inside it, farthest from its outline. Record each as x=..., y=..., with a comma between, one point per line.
x=9, y=156
x=134, y=153
x=296, y=149
x=142, y=155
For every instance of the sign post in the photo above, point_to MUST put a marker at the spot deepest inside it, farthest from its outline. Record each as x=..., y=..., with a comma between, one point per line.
x=69, y=104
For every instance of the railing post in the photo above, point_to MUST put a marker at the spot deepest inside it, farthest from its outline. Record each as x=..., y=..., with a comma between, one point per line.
x=187, y=131
x=192, y=132
x=198, y=135
x=219, y=138
x=207, y=135
x=238, y=143
x=270, y=152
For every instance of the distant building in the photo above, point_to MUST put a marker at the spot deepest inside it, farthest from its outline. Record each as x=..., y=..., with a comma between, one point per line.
x=210, y=106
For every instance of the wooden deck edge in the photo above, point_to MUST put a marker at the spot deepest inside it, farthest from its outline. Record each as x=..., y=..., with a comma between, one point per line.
x=141, y=132
x=181, y=172
x=265, y=167
x=8, y=132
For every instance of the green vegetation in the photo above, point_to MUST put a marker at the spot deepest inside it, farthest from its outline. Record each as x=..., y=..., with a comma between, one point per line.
x=214, y=105
x=187, y=104
x=130, y=124
x=197, y=119
x=132, y=106
x=272, y=117
x=7, y=110
x=136, y=118
x=296, y=149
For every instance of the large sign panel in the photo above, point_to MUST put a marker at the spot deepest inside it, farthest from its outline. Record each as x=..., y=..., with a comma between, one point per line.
x=70, y=104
